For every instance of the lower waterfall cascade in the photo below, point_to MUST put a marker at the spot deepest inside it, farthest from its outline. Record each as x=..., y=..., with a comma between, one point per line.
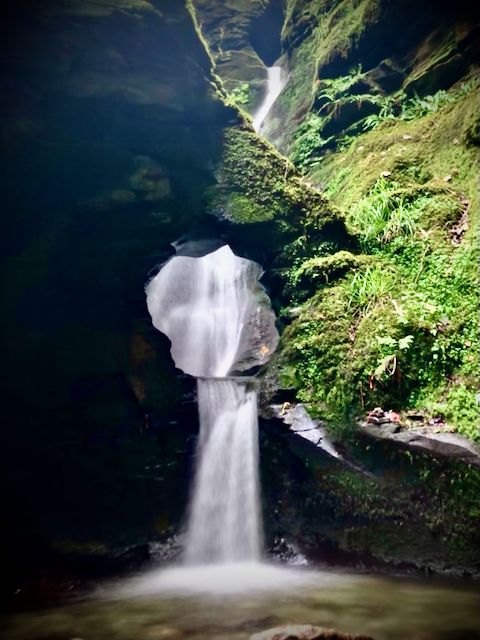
x=219, y=320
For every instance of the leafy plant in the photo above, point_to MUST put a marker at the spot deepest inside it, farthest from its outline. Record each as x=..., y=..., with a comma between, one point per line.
x=388, y=363
x=387, y=111
x=336, y=181
x=241, y=94
x=308, y=141
x=332, y=88
x=415, y=107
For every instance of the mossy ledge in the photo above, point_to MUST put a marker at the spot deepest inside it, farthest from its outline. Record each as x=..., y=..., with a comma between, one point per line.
x=256, y=184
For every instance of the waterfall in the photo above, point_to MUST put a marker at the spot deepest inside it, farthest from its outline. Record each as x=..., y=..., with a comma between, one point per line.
x=224, y=523
x=218, y=318
x=275, y=86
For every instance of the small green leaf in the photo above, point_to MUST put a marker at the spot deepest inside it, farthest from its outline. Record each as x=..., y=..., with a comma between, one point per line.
x=387, y=340
x=404, y=343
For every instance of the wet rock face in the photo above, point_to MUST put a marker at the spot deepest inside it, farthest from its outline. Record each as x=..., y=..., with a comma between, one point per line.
x=418, y=47
x=244, y=38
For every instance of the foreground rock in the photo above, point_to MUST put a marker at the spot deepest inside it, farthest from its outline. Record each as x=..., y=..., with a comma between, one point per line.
x=306, y=632
x=380, y=504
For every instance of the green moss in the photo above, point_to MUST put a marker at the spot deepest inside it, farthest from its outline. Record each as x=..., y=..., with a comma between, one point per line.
x=423, y=151
x=323, y=268
x=193, y=14
x=319, y=269
x=256, y=184
x=402, y=330
x=335, y=28
x=243, y=210
x=471, y=124
x=447, y=510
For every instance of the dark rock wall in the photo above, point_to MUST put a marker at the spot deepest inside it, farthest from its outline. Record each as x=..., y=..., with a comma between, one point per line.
x=111, y=127
x=116, y=141
x=244, y=39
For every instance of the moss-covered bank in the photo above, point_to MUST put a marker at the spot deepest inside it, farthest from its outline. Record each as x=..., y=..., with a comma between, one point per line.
x=399, y=331
x=387, y=127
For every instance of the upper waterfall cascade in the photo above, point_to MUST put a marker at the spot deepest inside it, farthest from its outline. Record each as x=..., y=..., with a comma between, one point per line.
x=219, y=320
x=275, y=86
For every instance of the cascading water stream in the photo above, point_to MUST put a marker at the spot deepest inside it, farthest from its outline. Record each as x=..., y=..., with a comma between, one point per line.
x=219, y=321
x=274, y=88
x=224, y=523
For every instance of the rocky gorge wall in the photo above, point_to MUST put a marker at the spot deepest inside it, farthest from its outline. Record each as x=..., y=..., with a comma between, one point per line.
x=119, y=137
x=380, y=112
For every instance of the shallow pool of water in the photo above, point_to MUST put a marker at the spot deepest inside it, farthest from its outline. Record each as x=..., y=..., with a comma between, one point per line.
x=234, y=602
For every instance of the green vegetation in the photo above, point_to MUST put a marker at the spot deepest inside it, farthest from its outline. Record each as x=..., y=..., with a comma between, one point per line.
x=258, y=184
x=397, y=327
x=241, y=94
x=389, y=317
x=386, y=212
x=368, y=287
x=416, y=107
x=320, y=269
x=310, y=139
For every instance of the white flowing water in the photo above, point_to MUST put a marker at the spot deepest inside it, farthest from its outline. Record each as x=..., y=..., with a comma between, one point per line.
x=202, y=305
x=275, y=86
x=217, y=317
x=224, y=523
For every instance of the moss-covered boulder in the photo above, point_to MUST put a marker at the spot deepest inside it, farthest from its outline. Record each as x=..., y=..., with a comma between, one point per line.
x=270, y=203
